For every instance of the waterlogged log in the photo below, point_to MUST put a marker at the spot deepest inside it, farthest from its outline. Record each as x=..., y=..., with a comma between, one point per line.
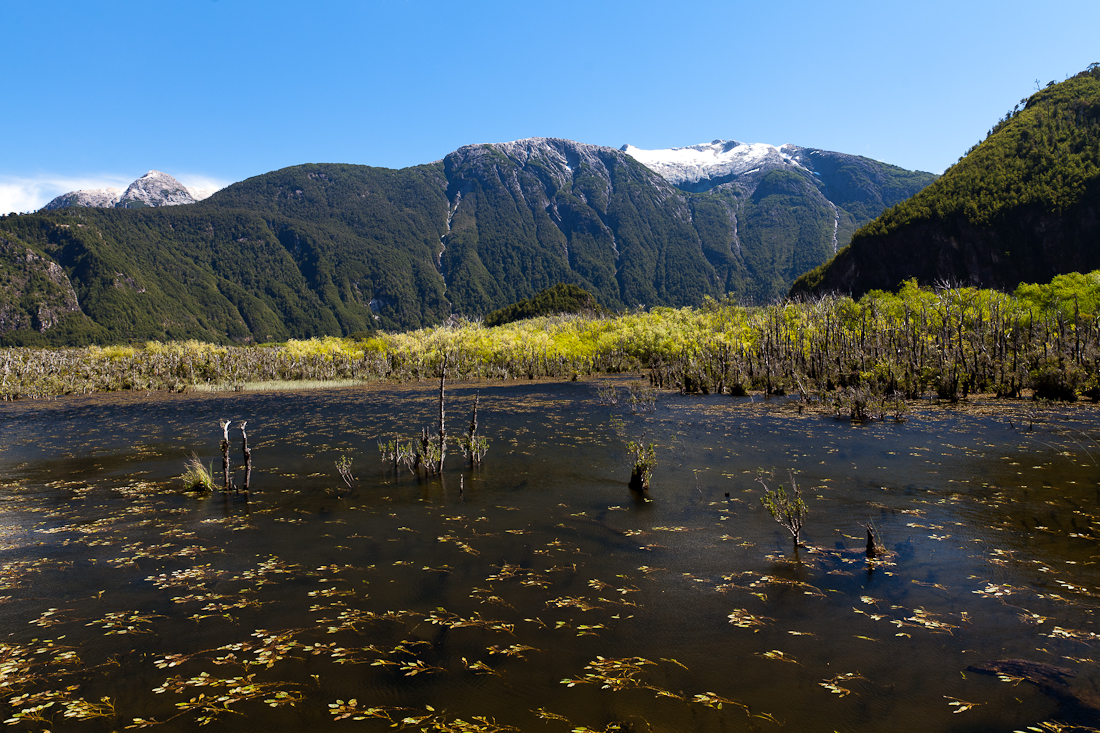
x=1077, y=704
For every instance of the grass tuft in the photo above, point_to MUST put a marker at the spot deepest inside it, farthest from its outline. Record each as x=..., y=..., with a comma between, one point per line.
x=197, y=477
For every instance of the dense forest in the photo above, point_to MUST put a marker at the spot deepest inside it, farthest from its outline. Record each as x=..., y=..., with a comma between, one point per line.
x=561, y=298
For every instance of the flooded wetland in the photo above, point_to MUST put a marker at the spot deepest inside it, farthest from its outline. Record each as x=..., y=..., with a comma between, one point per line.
x=537, y=591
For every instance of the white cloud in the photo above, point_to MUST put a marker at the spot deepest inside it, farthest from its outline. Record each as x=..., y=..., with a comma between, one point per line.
x=26, y=194
x=199, y=181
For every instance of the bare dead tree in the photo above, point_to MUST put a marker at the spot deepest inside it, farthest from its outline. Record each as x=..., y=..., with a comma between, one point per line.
x=247, y=456
x=225, y=453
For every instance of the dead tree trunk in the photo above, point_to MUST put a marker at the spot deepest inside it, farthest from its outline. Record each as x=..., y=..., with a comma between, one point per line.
x=247, y=456
x=442, y=415
x=225, y=453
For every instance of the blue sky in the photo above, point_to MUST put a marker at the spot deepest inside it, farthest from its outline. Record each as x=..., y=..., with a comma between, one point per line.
x=215, y=91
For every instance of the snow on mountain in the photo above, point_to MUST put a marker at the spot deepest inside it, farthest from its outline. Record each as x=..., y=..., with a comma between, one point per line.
x=155, y=188
x=703, y=166
x=103, y=198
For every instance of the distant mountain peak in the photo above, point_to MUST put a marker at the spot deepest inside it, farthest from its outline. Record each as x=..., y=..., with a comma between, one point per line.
x=155, y=188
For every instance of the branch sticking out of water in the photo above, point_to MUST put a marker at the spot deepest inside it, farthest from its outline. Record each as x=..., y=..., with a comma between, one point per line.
x=343, y=467
x=247, y=456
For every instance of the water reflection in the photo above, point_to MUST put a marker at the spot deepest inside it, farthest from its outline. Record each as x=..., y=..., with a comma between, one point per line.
x=537, y=589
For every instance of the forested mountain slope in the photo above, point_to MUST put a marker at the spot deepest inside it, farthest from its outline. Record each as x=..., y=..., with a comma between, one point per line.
x=1023, y=205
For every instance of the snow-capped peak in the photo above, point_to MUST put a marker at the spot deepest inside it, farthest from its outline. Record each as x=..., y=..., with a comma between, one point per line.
x=719, y=159
x=155, y=188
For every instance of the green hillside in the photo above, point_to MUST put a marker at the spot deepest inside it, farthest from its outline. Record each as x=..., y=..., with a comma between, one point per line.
x=1021, y=205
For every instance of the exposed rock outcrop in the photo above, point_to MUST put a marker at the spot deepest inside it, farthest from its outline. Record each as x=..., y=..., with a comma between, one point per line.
x=36, y=293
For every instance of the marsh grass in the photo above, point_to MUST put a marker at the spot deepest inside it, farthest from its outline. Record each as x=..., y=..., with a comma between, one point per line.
x=197, y=477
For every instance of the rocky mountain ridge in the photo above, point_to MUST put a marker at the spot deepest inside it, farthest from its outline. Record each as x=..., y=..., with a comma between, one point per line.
x=702, y=167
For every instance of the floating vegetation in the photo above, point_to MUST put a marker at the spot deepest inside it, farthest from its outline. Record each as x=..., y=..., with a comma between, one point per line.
x=745, y=620
x=833, y=684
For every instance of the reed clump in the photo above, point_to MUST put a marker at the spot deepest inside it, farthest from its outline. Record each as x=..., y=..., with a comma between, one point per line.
x=197, y=477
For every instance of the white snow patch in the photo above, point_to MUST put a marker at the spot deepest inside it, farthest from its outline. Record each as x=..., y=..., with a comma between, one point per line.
x=713, y=154
x=711, y=160
x=30, y=193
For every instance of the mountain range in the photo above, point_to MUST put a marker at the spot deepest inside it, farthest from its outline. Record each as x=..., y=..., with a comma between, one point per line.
x=153, y=189
x=339, y=249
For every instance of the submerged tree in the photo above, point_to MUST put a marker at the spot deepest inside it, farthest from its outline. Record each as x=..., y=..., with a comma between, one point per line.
x=643, y=457
x=473, y=446
x=788, y=510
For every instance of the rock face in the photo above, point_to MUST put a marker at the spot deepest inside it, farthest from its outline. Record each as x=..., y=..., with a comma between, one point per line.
x=36, y=294
x=583, y=214
x=788, y=206
x=103, y=198
x=153, y=189
x=860, y=186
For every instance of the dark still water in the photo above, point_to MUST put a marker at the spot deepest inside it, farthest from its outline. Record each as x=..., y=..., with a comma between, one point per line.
x=537, y=592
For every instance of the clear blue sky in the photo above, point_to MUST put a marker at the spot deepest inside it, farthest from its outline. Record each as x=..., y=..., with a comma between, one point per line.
x=215, y=91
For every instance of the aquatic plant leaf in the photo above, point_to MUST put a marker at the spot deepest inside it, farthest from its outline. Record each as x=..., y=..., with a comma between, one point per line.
x=961, y=706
